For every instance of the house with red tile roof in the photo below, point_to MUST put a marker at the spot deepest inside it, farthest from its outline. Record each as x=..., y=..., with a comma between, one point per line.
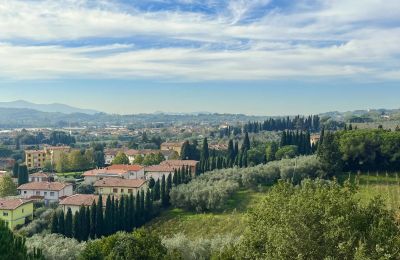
x=49, y=192
x=114, y=171
x=15, y=211
x=77, y=200
x=38, y=176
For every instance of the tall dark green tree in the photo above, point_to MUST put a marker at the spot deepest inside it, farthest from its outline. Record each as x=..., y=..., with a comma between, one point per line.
x=15, y=170
x=246, y=142
x=99, y=217
x=108, y=222
x=131, y=212
x=168, y=189
x=205, y=153
x=121, y=213
x=148, y=207
x=156, y=191
x=23, y=176
x=164, y=199
x=138, y=210
x=54, y=223
x=68, y=223
x=329, y=155
x=61, y=223
x=76, y=227
x=93, y=212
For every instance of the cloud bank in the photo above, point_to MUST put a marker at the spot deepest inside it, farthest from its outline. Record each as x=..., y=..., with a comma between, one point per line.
x=200, y=40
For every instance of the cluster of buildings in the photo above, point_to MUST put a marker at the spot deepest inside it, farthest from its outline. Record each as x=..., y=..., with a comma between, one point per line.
x=114, y=180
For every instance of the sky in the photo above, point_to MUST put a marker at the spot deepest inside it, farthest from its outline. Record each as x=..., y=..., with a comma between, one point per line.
x=262, y=57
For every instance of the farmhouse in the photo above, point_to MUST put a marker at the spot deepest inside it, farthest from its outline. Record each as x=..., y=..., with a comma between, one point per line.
x=48, y=191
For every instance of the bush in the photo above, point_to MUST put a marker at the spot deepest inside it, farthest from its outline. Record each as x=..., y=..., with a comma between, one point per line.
x=56, y=246
x=200, y=248
x=84, y=188
x=136, y=245
x=211, y=190
x=39, y=223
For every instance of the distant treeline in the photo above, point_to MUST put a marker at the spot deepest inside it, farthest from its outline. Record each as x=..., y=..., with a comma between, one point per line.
x=310, y=123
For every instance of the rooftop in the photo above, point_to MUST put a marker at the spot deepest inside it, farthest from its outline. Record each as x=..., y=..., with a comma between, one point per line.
x=52, y=186
x=82, y=200
x=12, y=203
x=125, y=167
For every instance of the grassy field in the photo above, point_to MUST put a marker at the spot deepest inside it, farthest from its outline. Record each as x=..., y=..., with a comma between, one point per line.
x=386, y=185
x=230, y=220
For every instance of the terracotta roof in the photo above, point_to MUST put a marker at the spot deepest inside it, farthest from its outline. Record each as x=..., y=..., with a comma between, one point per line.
x=125, y=167
x=82, y=200
x=13, y=203
x=116, y=182
x=43, y=186
x=38, y=174
x=159, y=168
x=105, y=171
x=179, y=163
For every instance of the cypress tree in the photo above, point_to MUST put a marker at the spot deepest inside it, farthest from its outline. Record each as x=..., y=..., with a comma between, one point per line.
x=61, y=226
x=131, y=212
x=142, y=204
x=156, y=191
x=23, y=176
x=164, y=202
x=54, y=223
x=138, y=211
x=93, y=210
x=83, y=223
x=121, y=213
x=77, y=232
x=236, y=149
x=68, y=223
x=87, y=226
x=126, y=214
x=205, y=153
x=169, y=187
x=99, y=217
x=114, y=206
x=174, y=178
x=108, y=217
x=231, y=151
x=246, y=142
x=15, y=170
x=148, y=205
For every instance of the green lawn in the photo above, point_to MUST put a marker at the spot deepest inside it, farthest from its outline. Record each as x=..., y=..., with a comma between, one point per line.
x=230, y=220
x=386, y=185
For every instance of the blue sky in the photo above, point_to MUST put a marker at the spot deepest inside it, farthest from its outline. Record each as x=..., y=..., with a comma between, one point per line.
x=270, y=57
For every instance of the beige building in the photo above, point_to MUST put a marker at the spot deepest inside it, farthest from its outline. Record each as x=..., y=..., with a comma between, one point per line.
x=172, y=146
x=117, y=186
x=36, y=159
x=75, y=201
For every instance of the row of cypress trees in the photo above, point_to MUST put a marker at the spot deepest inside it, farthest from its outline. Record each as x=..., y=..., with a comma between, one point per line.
x=123, y=213
x=300, y=139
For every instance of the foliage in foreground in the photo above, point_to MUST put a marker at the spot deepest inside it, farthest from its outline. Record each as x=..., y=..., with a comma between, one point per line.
x=56, y=246
x=318, y=220
x=13, y=246
x=136, y=245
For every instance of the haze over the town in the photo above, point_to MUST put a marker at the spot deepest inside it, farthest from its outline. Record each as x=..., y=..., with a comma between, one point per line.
x=259, y=57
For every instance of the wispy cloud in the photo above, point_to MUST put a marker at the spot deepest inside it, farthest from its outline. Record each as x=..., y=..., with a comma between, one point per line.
x=212, y=40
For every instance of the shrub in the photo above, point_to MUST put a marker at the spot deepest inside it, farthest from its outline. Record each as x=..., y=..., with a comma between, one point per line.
x=56, y=246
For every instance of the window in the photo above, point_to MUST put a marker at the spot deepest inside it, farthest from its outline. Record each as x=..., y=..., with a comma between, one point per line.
x=22, y=210
x=24, y=191
x=122, y=190
x=115, y=190
x=45, y=193
x=5, y=214
x=37, y=192
x=51, y=193
x=101, y=190
x=129, y=190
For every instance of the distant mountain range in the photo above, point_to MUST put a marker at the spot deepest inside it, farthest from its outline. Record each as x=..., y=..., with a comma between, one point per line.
x=52, y=108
